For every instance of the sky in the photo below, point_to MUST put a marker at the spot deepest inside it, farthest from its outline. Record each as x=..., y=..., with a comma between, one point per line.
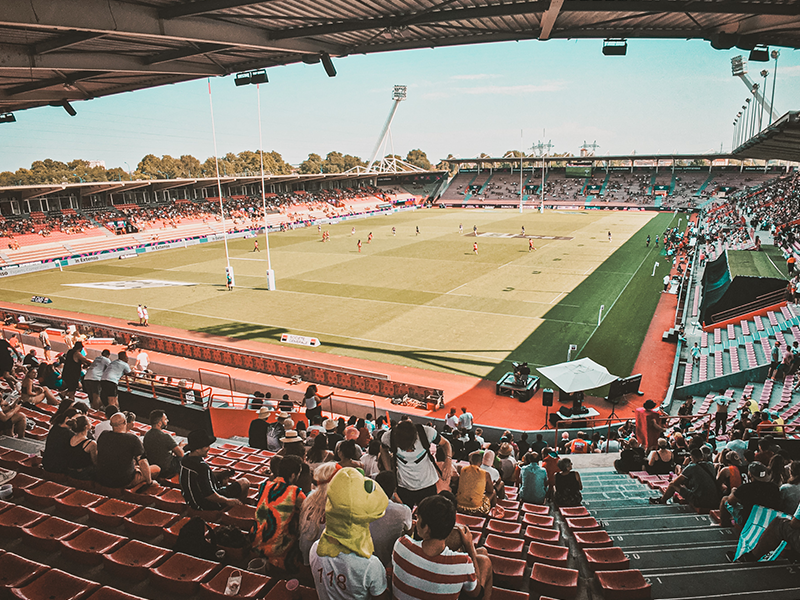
x=663, y=97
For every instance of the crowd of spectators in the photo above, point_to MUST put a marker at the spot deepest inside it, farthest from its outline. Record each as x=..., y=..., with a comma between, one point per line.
x=43, y=224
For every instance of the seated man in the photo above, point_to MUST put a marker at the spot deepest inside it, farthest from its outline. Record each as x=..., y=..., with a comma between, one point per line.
x=121, y=462
x=476, y=494
x=697, y=484
x=342, y=560
x=202, y=489
x=579, y=445
x=161, y=448
x=533, y=480
x=396, y=521
x=428, y=568
x=257, y=433
x=760, y=490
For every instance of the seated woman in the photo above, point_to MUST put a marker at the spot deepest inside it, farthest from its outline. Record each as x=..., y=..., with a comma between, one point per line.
x=730, y=475
x=81, y=452
x=56, y=445
x=319, y=453
x=33, y=393
x=475, y=495
x=660, y=461
x=568, y=485
x=346, y=453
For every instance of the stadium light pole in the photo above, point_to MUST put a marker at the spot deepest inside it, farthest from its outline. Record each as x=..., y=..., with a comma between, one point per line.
x=270, y=272
x=228, y=268
x=764, y=74
x=775, y=54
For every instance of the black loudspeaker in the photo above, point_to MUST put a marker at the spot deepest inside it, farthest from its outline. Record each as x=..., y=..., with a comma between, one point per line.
x=547, y=397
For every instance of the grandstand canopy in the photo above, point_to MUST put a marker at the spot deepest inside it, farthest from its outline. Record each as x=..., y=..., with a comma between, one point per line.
x=52, y=51
x=779, y=141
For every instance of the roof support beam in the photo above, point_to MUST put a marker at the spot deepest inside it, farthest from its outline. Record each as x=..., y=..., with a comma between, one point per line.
x=17, y=57
x=135, y=21
x=53, y=81
x=180, y=53
x=200, y=7
x=64, y=41
x=549, y=18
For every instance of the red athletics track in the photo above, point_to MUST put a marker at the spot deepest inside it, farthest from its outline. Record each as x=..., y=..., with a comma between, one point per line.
x=476, y=394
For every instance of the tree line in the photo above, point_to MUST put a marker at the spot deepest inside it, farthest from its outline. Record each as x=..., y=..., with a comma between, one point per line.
x=243, y=164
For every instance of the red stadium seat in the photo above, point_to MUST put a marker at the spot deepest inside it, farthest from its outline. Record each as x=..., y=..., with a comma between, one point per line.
x=504, y=546
x=134, y=559
x=606, y=559
x=11, y=459
x=47, y=533
x=623, y=585
x=542, y=534
x=220, y=461
x=508, y=504
x=16, y=571
x=182, y=574
x=45, y=493
x=253, y=585
x=538, y=520
x=108, y=593
x=583, y=524
x=536, y=509
x=508, y=570
x=501, y=594
x=16, y=517
x=171, y=532
x=89, y=546
x=112, y=512
x=171, y=500
x=55, y=585
x=573, y=511
x=592, y=539
x=108, y=491
x=503, y=527
x=22, y=481
x=550, y=554
x=77, y=503
x=240, y=515
x=149, y=522
x=509, y=515
x=143, y=495
x=209, y=516
x=470, y=521
x=553, y=581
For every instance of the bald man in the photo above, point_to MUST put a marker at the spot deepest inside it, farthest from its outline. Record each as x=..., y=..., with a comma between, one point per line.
x=121, y=462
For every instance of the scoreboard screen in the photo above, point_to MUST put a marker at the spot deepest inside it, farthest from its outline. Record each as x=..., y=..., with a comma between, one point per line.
x=576, y=171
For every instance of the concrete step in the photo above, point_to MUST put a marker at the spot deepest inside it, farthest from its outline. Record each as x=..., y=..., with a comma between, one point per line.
x=654, y=540
x=662, y=522
x=684, y=556
x=772, y=581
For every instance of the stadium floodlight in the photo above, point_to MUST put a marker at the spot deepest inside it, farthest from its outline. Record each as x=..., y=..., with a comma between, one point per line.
x=259, y=76
x=7, y=118
x=399, y=92
x=738, y=66
x=242, y=79
x=759, y=54
x=615, y=46
x=327, y=64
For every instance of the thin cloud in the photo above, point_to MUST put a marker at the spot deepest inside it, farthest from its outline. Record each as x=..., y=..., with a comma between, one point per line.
x=515, y=90
x=476, y=76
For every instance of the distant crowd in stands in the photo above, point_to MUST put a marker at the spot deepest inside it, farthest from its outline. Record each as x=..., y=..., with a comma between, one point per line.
x=43, y=224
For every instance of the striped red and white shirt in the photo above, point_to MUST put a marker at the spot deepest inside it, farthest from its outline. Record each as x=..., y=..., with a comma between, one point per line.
x=417, y=576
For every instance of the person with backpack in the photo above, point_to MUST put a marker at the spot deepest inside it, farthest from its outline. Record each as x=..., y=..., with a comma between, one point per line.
x=406, y=450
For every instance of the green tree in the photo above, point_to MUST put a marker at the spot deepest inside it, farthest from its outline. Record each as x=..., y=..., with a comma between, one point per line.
x=313, y=164
x=419, y=159
x=190, y=166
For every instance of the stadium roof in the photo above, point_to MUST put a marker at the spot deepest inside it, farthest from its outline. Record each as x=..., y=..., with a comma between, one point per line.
x=596, y=159
x=780, y=140
x=57, y=51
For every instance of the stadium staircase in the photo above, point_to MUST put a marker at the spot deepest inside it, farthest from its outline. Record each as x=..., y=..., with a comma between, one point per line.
x=738, y=347
x=706, y=183
x=480, y=179
x=485, y=184
x=605, y=184
x=467, y=192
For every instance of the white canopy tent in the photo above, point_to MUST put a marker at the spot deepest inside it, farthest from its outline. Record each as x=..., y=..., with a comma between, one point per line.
x=578, y=375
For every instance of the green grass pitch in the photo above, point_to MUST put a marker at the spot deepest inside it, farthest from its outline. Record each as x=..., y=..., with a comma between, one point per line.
x=417, y=300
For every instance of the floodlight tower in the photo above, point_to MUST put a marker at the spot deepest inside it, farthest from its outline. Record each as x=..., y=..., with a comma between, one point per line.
x=739, y=69
x=398, y=95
